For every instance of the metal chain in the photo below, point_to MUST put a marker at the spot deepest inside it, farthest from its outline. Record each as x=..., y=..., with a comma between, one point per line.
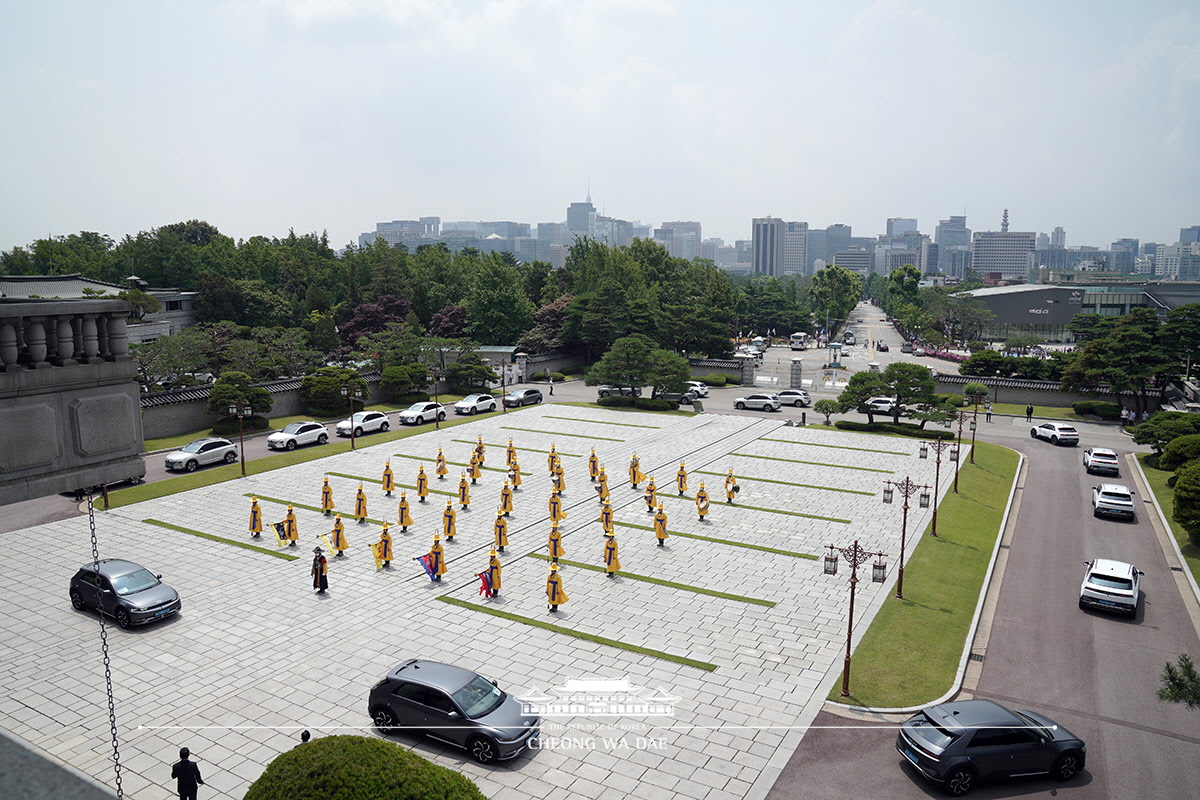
x=112, y=706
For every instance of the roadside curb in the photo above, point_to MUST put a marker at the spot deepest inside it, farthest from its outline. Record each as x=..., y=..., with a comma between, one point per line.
x=1170, y=546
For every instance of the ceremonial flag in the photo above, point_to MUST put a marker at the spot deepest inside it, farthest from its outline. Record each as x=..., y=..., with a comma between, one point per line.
x=280, y=533
x=324, y=537
x=427, y=564
x=376, y=551
x=485, y=583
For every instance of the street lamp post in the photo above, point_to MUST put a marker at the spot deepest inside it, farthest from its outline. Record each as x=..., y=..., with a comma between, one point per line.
x=956, y=455
x=856, y=557
x=938, y=446
x=906, y=488
x=350, y=391
x=974, y=425
x=239, y=408
x=437, y=374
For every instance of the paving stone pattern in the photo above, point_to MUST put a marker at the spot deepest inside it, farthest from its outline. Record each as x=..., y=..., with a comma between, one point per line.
x=257, y=656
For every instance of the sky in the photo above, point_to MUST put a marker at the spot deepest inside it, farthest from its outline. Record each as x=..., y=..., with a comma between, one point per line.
x=260, y=116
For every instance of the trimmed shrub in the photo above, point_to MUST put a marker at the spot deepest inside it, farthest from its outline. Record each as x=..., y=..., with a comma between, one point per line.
x=616, y=401
x=578, y=369
x=654, y=404
x=901, y=428
x=413, y=397
x=229, y=427
x=1187, y=500
x=715, y=379
x=1179, y=451
x=538, y=376
x=358, y=768
x=975, y=347
x=558, y=377
x=1097, y=408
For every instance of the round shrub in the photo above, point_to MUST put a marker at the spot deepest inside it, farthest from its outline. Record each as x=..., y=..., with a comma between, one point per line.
x=1187, y=500
x=229, y=427
x=578, y=369
x=715, y=379
x=654, y=404
x=615, y=401
x=538, y=376
x=1097, y=408
x=1179, y=451
x=558, y=377
x=358, y=768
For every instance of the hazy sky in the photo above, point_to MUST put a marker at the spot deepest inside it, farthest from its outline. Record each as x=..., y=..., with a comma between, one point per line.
x=264, y=115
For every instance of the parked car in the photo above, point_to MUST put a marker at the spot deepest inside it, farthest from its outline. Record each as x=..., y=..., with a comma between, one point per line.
x=700, y=386
x=1099, y=459
x=363, y=422
x=454, y=705
x=298, y=433
x=1110, y=586
x=1055, y=433
x=683, y=398
x=624, y=391
x=794, y=397
x=523, y=397
x=882, y=405
x=762, y=402
x=1113, y=500
x=125, y=591
x=957, y=744
x=907, y=347
x=920, y=351
x=420, y=413
x=474, y=403
x=202, y=452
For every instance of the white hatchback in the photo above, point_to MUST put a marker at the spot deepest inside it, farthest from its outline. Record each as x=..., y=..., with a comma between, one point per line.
x=1055, y=433
x=1111, y=586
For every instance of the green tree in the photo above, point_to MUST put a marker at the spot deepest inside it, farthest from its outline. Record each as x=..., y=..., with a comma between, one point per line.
x=904, y=285
x=546, y=334
x=394, y=345
x=975, y=392
x=402, y=379
x=629, y=362
x=231, y=387
x=911, y=385
x=141, y=303
x=827, y=408
x=1187, y=500
x=322, y=390
x=1180, y=683
x=1165, y=426
x=497, y=306
x=1180, y=451
x=833, y=293
x=469, y=372
x=1131, y=358
x=861, y=387
x=669, y=372
x=1180, y=334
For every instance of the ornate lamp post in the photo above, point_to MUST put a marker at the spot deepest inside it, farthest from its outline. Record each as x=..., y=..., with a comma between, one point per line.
x=239, y=409
x=956, y=451
x=938, y=446
x=437, y=373
x=906, y=488
x=974, y=425
x=350, y=391
x=856, y=557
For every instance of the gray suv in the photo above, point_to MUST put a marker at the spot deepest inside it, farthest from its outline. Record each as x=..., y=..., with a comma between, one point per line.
x=454, y=705
x=200, y=453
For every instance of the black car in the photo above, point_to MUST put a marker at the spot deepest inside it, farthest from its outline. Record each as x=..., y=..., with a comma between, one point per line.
x=455, y=705
x=882, y=347
x=523, y=397
x=126, y=591
x=956, y=744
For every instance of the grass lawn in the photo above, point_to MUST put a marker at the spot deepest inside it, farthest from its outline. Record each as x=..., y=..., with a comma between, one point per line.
x=1045, y=412
x=911, y=652
x=1157, y=479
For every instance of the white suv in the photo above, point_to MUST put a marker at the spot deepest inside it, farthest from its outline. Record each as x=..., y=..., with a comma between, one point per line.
x=363, y=422
x=700, y=387
x=1099, y=459
x=1055, y=433
x=296, y=434
x=763, y=402
x=1114, y=500
x=882, y=405
x=1110, y=585
x=202, y=452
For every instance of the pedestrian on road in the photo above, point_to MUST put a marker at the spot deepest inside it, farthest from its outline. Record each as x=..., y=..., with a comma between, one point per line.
x=186, y=775
x=320, y=571
x=1146, y=415
x=988, y=412
x=520, y=375
x=551, y=385
x=1029, y=413
x=1124, y=417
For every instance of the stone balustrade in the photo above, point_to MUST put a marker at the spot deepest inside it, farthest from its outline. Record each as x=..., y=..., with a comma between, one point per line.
x=39, y=334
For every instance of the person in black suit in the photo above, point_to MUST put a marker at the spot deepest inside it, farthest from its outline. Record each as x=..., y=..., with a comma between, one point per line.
x=187, y=775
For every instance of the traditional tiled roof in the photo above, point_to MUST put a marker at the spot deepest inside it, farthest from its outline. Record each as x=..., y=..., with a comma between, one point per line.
x=193, y=393
x=66, y=287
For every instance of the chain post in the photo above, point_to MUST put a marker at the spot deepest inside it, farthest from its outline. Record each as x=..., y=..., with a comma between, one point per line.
x=112, y=705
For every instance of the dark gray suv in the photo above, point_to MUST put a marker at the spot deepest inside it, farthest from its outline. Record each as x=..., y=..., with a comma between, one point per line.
x=956, y=744
x=454, y=705
x=126, y=591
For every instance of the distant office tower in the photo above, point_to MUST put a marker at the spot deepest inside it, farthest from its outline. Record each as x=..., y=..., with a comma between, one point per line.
x=581, y=218
x=1124, y=255
x=1002, y=254
x=795, y=249
x=1179, y=262
x=952, y=232
x=837, y=238
x=899, y=225
x=1058, y=238
x=615, y=232
x=431, y=227
x=1189, y=235
x=642, y=231
x=768, y=235
x=1043, y=241
x=1150, y=250
x=817, y=250
x=854, y=259
x=685, y=238
x=553, y=232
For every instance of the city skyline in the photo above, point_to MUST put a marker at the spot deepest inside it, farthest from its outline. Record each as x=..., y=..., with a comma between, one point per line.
x=261, y=116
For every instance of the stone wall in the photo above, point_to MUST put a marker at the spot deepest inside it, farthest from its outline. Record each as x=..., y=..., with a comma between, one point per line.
x=1023, y=392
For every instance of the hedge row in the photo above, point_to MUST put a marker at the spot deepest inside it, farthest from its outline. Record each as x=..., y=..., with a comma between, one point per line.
x=229, y=427
x=720, y=379
x=541, y=376
x=644, y=403
x=901, y=428
x=1097, y=408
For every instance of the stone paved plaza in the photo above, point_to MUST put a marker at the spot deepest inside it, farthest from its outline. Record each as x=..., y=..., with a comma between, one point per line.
x=256, y=655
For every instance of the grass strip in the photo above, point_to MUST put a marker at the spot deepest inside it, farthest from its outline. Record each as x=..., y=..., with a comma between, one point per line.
x=1157, y=478
x=595, y=422
x=910, y=654
x=557, y=433
x=625, y=409
x=526, y=449
x=453, y=463
x=814, y=463
x=587, y=637
x=790, y=483
x=222, y=539
x=715, y=504
x=659, y=581
x=310, y=508
x=729, y=542
x=836, y=446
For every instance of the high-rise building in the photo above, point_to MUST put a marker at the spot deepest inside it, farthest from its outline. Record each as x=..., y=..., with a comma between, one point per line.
x=952, y=232
x=1179, y=262
x=768, y=236
x=817, y=250
x=837, y=238
x=854, y=259
x=685, y=238
x=795, y=249
x=581, y=218
x=1043, y=241
x=899, y=225
x=1124, y=255
x=553, y=233
x=1189, y=235
x=1002, y=254
x=431, y=227
x=1058, y=238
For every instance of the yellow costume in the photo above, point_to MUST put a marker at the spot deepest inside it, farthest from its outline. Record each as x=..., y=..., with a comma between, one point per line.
x=602, y=485
x=660, y=525
x=383, y=550
x=606, y=518
x=473, y=468
x=440, y=469
x=611, y=562
x=448, y=521
x=464, y=491
x=551, y=459
x=493, y=573
x=510, y=453
x=651, y=496
x=557, y=514
x=514, y=475
x=437, y=558
x=326, y=498
x=500, y=529
x=593, y=464
x=731, y=487
x=290, y=530
x=560, y=483
x=405, y=518
x=702, y=502
x=681, y=479
x=337, y=536
x=389, y=480
x=480, y=450
x=506, y=500
x=422, y=484
x=360, y=504
x=636, y=475
x=554, y=589
x=255, y=527
x=554, y=543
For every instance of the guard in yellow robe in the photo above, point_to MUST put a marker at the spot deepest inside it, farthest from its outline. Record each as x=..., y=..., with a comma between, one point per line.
x=327, y=498
x=555, y=595
x=474, y=468
x=559, y=480
x=437, y=558
x=405, y=517
x=493, y=572
x=480, y=450
x=554, y=543
x=464, y=491
x=384, y=550
x=651, y=495
x=291, y=531
x=731, y=487
x=440, y=468
x=681, y=479
x=602, y=485
x=448, y=521
x=612, y=562
x=510, y=454
x=551, y=459
x=660, y=525
x=360, y=505
x=636, y=475
x=389, y=480
x=514, y=475
x=557, y=514
x=506, y=500
x=606, y=518
x=702, y=502
x=593, y=465
x=422, y=484
x=500, y=529
x=337, y=536
x=255, y=526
